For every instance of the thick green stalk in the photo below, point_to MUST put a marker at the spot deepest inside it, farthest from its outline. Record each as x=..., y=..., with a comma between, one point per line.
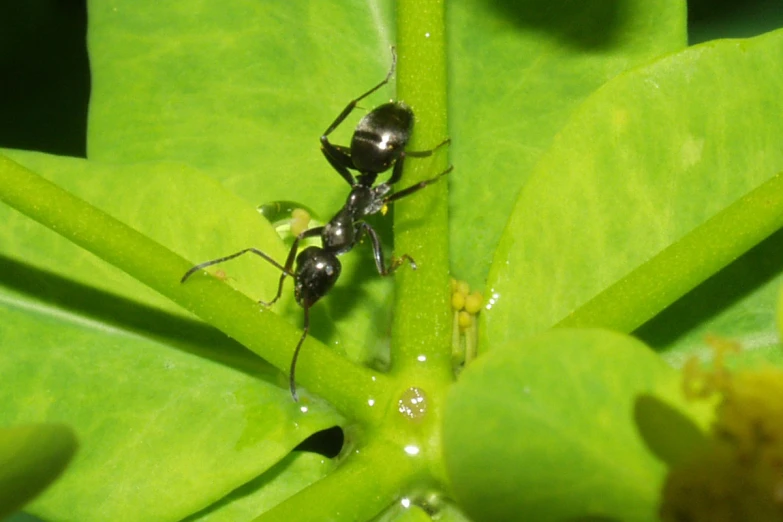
x=422, y=320
x=368, y=481
x=346, y=385
x=666, y=277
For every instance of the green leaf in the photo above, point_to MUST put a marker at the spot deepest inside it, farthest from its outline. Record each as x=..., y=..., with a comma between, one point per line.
x=241, y=92
x=543, y=430
x=295, y=472
x=594, y=211
x=520, y=70
x=31, y=458
x=163, y=429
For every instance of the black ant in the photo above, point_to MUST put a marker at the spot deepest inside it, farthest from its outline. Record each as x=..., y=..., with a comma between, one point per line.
x=378, y=143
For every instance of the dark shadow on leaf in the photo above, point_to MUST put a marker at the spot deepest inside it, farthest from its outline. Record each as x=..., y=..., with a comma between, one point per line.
x=189, y=336
x=586, y=24
x=328, y=442
x=667, y=433
x=720, y=292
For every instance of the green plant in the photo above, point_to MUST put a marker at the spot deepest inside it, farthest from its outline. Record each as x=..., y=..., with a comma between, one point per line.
x=602, y=172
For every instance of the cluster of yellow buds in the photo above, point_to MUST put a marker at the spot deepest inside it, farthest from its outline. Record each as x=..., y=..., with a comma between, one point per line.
x=736, y=473
x=465, y=305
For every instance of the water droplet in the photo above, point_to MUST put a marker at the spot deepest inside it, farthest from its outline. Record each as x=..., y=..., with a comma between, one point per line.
x=413, y=404
x=492, y=300
x=412, y=450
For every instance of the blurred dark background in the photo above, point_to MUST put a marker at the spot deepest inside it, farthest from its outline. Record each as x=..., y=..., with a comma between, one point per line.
x=45, y=78
x=44, y=75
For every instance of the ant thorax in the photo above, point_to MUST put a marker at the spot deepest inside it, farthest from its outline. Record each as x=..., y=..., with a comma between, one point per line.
x=364, y=200
x=339, y=234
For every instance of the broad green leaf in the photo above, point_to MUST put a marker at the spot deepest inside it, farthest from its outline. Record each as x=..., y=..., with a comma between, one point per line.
x=595, y=210
x=520, y=69
x=31, y=457
x=242, y=92
x=544, y=430
x=298, y=470
x=164, y=432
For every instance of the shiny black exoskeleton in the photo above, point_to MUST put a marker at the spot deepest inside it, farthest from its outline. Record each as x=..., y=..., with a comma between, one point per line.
x=378, y=144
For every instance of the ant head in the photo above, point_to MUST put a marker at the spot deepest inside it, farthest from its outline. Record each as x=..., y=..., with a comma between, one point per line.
x=316, y=272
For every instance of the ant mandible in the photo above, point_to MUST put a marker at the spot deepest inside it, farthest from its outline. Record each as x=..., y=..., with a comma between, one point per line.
x=378, y=143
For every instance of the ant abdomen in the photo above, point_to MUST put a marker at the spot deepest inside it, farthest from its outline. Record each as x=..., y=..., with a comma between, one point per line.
x=381, y=136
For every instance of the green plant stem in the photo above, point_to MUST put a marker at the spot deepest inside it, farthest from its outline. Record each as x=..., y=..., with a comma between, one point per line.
x=422, y=318
x=366, y=483
x=666, y=277
x=345, y=384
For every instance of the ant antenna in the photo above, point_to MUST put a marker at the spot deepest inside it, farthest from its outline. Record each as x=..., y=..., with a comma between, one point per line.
x=393, y=64
x=291, y=374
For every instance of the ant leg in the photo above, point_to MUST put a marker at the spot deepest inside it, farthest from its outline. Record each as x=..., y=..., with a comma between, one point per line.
x=426, y=153
x=289, y=262
x=415, y=188
x=339, y=156
x=397, y=172
x=352, y=104
x=286, y=271
x=292, y=372
x=378, y=251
